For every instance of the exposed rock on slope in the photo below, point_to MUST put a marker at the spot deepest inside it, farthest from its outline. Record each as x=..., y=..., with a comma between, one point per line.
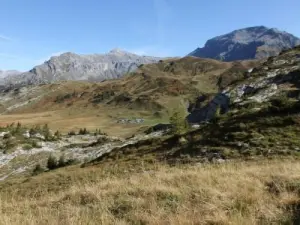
x=152, y=87
x=277, y=76
x=4, y=73
x=71, y=66
x=263, y=121
x=208, y=112
x=249, y=43
x=7, y=73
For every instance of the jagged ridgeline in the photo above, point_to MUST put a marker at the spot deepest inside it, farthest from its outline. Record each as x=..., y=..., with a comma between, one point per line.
x=71, y=66
x=249, y=43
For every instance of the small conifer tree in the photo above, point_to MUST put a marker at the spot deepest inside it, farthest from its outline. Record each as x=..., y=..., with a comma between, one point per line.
x=178, y=122
x=52, y=162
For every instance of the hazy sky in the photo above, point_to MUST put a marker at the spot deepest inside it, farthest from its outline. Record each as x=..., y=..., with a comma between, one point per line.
x=33, y=30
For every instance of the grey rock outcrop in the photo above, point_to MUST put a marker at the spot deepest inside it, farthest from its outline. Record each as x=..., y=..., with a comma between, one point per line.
x=248, y=43
x=5, y=73
x=208, y=112
x=71, y=66
x=278, y=76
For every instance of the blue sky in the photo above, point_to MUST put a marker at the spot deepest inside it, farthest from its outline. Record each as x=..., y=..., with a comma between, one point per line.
x=33, y=30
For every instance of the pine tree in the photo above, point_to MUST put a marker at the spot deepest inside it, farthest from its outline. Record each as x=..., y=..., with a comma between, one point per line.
x=18, y=128
x=46, y=132
x=178, y=122
x=57, y=134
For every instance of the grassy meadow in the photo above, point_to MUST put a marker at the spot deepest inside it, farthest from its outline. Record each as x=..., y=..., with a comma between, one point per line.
x=235, y=193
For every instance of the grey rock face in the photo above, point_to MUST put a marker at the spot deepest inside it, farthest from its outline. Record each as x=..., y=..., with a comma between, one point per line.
x=7, y=73
x=261, y=84
x=208, y=112
x=249, y=43
x=4, y=73
x=71, y=66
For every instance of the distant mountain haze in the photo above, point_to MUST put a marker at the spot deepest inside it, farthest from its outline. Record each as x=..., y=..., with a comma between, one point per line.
x=248, y=43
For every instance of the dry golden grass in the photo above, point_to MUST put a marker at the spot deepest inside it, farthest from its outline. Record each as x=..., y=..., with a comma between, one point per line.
x=233, y=193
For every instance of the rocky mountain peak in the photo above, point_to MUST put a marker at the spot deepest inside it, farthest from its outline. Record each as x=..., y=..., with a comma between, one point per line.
x=248, y=43
x=4, y=73
x=72, y=66
x=118, y=51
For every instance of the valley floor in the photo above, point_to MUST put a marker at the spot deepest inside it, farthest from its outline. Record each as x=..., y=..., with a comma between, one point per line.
x=261, y=192
x=73, y=120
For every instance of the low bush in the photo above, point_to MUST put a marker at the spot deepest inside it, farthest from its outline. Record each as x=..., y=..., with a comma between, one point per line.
x=83, y=131
x=52, y=162
x=71, y=133
x=27, y=147
x=7, y=136
x=37, y=170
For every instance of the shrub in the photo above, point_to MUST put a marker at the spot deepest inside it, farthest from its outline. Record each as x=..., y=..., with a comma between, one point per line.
x=7, y=136
x=9, y=143
x=217, y=115
x=17, y=129
x=279, y=103
x=218, y=111
x=57, y=134
x=27, y=147
x=62, y=98
x=61, y=161
x=35, y=144
x=99, y=132
x=83, y=131
x=32, y=132
x=52, y=163
x=71, y=162
x=102, y=140
x=71, y=133
x=37, y=128
x=37, y=169
x=242, y=126
x=47, y=134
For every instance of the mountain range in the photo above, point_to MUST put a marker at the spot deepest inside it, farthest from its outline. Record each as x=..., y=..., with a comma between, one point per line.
x=248, y=43
x=71, y=66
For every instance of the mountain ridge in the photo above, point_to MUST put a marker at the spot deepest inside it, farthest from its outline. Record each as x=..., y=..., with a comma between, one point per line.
x=4, y=73
x=91, y=67
x=247, y=43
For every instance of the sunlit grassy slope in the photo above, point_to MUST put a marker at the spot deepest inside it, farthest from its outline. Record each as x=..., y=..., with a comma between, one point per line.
x=264, y=192
x=151, y=93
